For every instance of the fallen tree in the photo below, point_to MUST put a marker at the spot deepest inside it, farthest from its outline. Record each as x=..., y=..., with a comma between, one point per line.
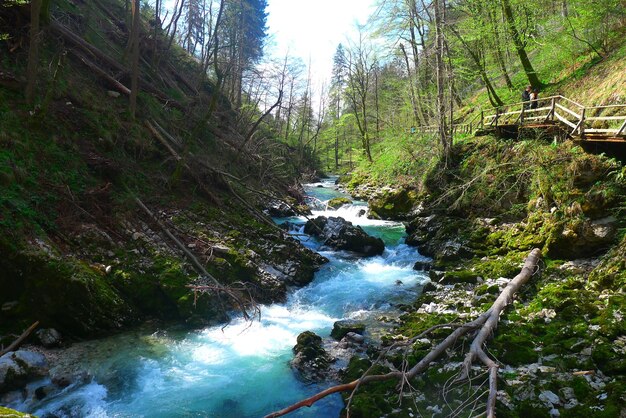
x=486, y=324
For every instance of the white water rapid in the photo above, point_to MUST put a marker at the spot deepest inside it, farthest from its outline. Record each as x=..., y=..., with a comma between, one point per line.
x=242, y=370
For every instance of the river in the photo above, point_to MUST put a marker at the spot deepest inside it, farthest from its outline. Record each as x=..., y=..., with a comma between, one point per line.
x=243, y=369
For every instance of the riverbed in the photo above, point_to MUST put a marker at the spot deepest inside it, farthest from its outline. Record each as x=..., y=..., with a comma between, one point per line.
x=241, y=370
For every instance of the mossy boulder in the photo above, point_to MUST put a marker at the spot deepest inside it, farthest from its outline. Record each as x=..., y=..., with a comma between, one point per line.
x=63, y=293
x=395, y=204
x=338, y=202
x=583, y=238
x=311, y=359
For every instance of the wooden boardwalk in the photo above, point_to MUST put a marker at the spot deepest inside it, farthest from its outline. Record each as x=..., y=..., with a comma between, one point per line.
x=558, y=113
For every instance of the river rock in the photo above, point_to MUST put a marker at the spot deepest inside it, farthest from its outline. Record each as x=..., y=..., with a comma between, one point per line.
x=19, y=367
x=311, y=359
x=355, y=338
x=48, y=337
x=421, y=266
x=279, y=209
x=429, y=287
x=395, y=204
x=338, y=202
x=343, y=327
x=343, y=235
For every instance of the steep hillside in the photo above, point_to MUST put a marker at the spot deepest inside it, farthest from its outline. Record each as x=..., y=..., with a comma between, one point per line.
x=80, y=252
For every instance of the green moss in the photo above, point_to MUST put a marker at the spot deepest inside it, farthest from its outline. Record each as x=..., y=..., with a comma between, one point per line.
x=372, y=400
x=63, y=293
x=10, y=413
x=338, y=202
x=514, y=348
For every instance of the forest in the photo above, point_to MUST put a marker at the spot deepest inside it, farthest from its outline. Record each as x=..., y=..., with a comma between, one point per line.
x=192, y=224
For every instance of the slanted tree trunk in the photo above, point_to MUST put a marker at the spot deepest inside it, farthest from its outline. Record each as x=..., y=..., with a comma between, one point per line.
x=493, y=96
x=519, y=45
x=134, y=56
x=498, y=50
x=33, y=51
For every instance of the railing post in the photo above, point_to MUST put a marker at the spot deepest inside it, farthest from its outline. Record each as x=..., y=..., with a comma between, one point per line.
x=552, y=108
x=581, y=129
x=482, y=119
x=521, y=115
x=621, y=129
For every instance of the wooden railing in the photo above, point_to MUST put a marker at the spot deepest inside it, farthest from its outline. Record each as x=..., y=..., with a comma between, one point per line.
x=458, y=128
x=578, y=120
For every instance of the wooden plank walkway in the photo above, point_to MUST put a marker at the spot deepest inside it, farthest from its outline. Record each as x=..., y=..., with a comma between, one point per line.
x=578, y=122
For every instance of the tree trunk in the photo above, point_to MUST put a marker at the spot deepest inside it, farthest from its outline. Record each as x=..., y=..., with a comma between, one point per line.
x=493, y=96
x=519, y=46
x=498, y=49
x=134, y=56
x=33, y=51
x=416, y=115
x=442, y=130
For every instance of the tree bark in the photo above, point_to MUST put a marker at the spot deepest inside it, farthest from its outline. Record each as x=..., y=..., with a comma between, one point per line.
x=15, y=344
x=416, y=115
x=533, y=78
x=493, y=96
x=442, y=131
x=134, y=56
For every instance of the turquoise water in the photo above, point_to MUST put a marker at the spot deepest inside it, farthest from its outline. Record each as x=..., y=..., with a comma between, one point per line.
x=243, y=369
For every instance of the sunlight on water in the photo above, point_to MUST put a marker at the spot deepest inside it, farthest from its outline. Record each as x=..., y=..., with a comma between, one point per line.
x=242, y=370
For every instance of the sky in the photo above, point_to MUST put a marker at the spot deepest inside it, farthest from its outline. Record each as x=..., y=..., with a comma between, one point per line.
x=313, y=29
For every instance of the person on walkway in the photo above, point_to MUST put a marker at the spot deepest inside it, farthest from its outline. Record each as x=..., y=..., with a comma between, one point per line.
x=526, y=96
x=534, y=96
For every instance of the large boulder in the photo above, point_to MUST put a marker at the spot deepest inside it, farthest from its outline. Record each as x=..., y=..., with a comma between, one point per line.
x=340, y=234
x=20, y=367
x=311, y=359
x=395, y=204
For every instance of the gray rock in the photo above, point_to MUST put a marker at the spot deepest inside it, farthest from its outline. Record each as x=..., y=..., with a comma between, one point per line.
x=341, y=328
x=340, y=234
x=34, y=363
x=19, y=367
x=549, y=398
x=567, y=393
x=354, y=337
x=49, y=337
